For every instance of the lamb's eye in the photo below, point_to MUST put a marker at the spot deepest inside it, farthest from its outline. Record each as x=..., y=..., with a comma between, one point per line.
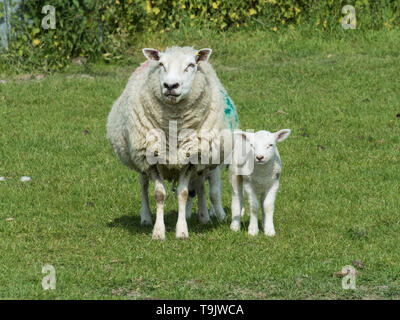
x=161, y=65
x=270, y=145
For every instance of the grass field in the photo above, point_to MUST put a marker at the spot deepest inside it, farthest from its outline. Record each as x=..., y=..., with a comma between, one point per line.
x=338, y=200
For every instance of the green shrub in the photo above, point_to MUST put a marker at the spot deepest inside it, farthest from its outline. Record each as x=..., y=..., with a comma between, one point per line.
x=92, y=28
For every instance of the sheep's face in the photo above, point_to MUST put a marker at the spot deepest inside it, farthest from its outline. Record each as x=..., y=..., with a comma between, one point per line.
x=177, y=71
x=263, y=143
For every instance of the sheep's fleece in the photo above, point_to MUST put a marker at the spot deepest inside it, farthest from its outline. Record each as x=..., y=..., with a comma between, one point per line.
x=140, y=109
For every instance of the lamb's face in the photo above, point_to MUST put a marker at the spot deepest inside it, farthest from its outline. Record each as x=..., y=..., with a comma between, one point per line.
x=177, y=71
x=264, y=144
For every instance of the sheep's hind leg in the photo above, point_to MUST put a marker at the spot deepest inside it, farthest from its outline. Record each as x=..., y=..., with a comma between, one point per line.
x=202, y=199
x=145, y=214
x=183, y=193
x=189, y=203
x=159, y=193
x=214, y=182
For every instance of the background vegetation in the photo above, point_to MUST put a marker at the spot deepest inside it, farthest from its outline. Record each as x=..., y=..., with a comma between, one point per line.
x=109, y=28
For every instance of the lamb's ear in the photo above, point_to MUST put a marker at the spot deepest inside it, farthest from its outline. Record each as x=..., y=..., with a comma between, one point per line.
x=242, y=135
x=203, y=54
x=282, y=135
x=151, y=54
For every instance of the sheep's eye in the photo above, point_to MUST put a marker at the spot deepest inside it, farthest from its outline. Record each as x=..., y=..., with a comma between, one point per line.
x=190, y=65
x=161, y=65
x=270, y=145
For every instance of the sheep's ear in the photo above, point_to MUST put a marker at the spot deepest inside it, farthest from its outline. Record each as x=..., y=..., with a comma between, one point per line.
x=151, y=54
x=282, y=135
x=203, y=55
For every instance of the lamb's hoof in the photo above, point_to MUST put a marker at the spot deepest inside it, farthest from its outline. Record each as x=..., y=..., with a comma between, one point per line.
x=253, y=231
x=235, y=226
x=158, y=233
x=269, y=232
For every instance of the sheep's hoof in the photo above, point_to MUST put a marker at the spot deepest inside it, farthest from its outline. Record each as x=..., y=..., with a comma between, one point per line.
x=145, y=218
x=235, y=226
x=253, y=231
x=182, y=235
x=204, y=218
x=269, y=232
x=146, y=222
x=158, y=233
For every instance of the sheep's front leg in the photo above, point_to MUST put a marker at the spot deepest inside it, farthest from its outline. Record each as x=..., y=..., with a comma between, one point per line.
x=268, y=201
x=237, y=201
x=254, y=206
x=145, y=214
x=159, y=193
x=183, y=193
x=215, y=194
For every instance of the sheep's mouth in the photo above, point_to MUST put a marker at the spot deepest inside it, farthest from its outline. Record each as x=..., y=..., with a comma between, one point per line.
x=172, y=95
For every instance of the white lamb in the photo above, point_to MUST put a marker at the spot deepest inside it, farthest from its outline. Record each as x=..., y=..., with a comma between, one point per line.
x=171, y=92
x=262, y=164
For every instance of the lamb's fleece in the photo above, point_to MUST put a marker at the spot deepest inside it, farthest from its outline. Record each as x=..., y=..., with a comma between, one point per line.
x=140, y=109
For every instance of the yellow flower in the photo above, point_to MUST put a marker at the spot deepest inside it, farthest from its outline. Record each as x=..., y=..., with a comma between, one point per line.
x=275, y=29
x=252, y=11
x=192, y=16
x=325, y=24
x=156, y=10
x=35, y=42
x=215, y=5
x=148, y=6
x=116, y=2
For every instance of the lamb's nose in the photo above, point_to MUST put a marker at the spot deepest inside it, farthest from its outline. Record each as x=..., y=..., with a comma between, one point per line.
x=171, y=86
x=259, y=158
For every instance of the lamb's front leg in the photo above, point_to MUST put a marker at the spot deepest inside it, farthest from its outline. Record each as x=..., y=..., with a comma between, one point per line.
x=145, y=214
x=183, y=193
x=268, y=201
x=254, y=206
x=159, y=193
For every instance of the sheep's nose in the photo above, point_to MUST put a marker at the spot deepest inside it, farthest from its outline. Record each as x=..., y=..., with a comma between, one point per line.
x=171, y=86
x=259, y=158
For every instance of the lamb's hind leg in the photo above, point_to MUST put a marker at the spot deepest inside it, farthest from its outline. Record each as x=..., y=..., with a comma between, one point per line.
x=159, y=192
x=145, y=214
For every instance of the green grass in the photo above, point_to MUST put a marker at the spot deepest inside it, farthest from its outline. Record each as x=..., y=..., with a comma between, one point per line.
x=338, y=201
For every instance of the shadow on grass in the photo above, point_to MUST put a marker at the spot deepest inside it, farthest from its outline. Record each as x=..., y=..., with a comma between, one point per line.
x=132, y=223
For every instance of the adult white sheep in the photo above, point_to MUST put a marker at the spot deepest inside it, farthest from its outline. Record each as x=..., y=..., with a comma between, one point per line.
x=177, y=87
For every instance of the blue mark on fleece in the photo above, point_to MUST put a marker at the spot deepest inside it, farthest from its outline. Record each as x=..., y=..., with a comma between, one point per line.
x=230, y=114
